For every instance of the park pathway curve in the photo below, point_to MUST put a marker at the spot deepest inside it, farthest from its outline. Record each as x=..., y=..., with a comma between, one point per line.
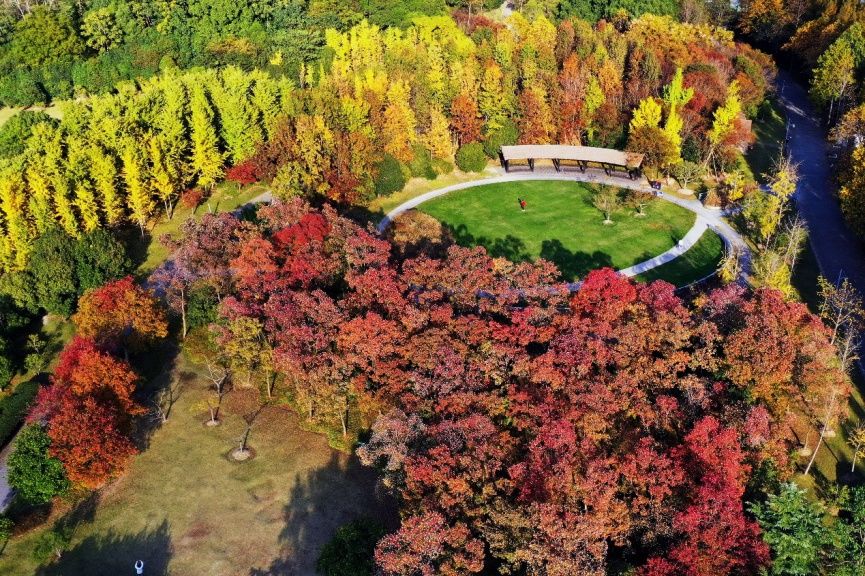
x=706, y=217
x=839, y=252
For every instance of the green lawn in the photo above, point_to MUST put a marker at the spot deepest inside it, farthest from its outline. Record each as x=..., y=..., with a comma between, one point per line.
x=769, y=127
x=185, y=508
x=700, y=261
x=559, y=224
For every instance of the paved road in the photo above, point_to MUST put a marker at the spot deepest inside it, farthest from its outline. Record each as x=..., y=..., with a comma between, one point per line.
x=838, y=250
x=706, y=217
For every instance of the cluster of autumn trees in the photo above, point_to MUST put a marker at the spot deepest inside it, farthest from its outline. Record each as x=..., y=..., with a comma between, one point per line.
x=521, y=425
x=80, y=428
x=127, y=156
x=433, y=89
x=385, y=103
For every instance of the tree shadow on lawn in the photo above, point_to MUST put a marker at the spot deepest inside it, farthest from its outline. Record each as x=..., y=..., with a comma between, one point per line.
x=112, y=554
x=327, y=498
x=509, y=247
x=572, y=264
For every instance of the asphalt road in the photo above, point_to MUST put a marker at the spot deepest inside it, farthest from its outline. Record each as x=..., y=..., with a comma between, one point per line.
x=839, y=252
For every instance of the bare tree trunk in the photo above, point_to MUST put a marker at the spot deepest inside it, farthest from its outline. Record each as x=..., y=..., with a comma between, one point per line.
x=829, y=409
x=183, y=310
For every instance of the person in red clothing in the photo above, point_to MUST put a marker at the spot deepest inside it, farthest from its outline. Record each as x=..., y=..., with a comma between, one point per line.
x=522, y=204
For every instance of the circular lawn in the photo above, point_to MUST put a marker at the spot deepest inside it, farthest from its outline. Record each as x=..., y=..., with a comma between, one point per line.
x=561, y=224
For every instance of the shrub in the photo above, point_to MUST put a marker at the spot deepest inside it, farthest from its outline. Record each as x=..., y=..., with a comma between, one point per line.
x=16, y=131
x=350, y=551
x=6, y=526
x=506, y=135
x=13, y=408
x=390, y=177
x=422, y=164
x=442, y=166
x=51, y=544
x=201, y=309
x=192, y=198
x=243, y=173
x=6, y=371
x=35, y=475
x=471, y=158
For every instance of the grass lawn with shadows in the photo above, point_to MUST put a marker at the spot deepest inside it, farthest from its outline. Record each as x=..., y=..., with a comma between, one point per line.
x=184, y=508
x=559, y=224
x=700, y=261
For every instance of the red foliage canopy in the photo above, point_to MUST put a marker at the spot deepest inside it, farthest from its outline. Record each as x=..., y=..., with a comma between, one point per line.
x=524, y=425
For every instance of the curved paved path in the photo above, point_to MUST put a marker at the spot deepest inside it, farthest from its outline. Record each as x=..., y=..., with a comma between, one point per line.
x=706, y=217
x=838, y=250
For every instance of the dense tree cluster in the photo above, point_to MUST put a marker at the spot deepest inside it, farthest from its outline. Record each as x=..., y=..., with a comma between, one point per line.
x=87, y=411
x=523, y=426
x=399, y=96
x=390, y=103
x=122, y=157
x=59, y=49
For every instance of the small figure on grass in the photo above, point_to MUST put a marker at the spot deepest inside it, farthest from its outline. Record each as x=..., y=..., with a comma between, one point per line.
x=522, y=204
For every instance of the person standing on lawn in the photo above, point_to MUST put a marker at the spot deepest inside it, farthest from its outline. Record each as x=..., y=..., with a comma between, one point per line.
x=522, y=204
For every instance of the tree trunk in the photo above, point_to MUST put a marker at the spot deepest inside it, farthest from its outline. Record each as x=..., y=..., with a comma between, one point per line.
x=183, y=311
x=829, y=409
x=244, y=439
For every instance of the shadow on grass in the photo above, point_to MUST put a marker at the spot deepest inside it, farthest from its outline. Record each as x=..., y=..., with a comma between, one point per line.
x=321, y=502
x=112, y=554
x=572, y=264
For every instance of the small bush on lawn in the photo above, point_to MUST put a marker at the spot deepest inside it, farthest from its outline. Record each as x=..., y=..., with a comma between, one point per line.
x=13, y=408
x=244, y=173
x=442, y=166
x=390, y=177
x=506, y=135
x=422, y=164
x=350, y=551
x=192, y=198
x=471, y=158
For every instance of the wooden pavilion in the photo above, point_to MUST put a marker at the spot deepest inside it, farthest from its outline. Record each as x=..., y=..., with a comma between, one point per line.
x=608, y=159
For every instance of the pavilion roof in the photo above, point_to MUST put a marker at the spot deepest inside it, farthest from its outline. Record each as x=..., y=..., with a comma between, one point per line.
x=565, y=152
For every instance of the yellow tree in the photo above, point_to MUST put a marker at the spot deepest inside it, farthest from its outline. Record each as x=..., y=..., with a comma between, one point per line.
x=206, y=159
x=85, y=198
x=18, y=231
x=493, y=103
x=103, y=171
x=39, y=203
x=265, y=100
x=648, y=113
x=237, y=118
x=55, y=168
x=398, y=128
x=724, y=121
x=162, y=178
x=438, y=139
x=171, y=126
x=138, y=196
x=676, y=96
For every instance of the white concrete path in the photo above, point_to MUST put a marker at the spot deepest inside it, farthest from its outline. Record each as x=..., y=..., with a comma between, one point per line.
x=707, y=218
x=685, y=244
